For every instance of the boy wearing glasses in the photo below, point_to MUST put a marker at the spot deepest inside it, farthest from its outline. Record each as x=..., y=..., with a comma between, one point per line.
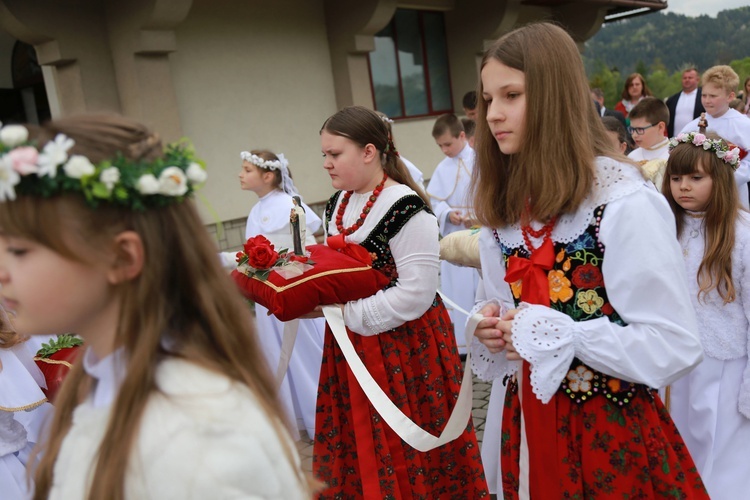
x=648, y=127
x=719, y=86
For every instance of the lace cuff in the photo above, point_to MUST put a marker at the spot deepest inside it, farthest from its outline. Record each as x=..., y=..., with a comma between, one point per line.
x=547, y=343
x=486, y=365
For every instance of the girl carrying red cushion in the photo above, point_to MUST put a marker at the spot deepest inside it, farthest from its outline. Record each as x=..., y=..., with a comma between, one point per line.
x=588, y=306
x=403, y=333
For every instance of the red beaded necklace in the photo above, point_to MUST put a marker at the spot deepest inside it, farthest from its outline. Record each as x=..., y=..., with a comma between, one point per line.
x=366, y=210
x=545, y=232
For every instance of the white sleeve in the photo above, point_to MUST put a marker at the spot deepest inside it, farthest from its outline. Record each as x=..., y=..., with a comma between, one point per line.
x=415, y=252
x=742, y=174
x=646, y=284
x=228, y=260
x=743, y=293
x=486, y=365
x=312, y=219
x=438, y=187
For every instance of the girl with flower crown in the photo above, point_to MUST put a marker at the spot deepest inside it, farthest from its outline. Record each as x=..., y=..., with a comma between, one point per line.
x=23, y=407
x=267, y=175
x=171, y=398
x=402, y=334
x=711, y=404
x=581, y=326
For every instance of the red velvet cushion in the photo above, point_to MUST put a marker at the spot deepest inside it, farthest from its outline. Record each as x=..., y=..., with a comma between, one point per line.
x=335, y=278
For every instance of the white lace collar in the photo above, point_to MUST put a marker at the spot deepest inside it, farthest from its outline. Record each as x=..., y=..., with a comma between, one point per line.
x=613, y=180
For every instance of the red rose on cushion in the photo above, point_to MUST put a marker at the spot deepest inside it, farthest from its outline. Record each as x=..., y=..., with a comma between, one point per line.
x=587, y=276
x=260, y=253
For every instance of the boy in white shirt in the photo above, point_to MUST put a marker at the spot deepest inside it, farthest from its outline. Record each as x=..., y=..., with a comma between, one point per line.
x=719, y=86
x=648, y=127
x=449, y=197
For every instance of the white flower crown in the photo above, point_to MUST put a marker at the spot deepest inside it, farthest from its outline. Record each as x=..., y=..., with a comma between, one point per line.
x=719, y=146
x=26, y=170
x=256, y=160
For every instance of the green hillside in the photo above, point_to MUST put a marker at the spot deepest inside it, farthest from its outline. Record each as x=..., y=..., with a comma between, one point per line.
x=674, y=40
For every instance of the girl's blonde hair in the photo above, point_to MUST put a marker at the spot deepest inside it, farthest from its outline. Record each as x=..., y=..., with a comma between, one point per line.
x=715, y=270
x=8, y=335
x=555, y=166
x=181, y=292
x=364, y=126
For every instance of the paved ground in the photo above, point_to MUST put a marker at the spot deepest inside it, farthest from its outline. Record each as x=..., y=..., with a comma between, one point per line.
x=479, y=413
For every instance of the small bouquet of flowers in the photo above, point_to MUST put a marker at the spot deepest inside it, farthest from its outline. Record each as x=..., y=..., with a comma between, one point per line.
x=259, y=259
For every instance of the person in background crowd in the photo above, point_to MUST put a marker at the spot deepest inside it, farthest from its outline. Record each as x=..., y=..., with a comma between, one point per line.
x=685, y=106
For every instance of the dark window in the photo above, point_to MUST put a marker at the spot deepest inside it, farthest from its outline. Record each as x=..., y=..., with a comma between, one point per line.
x=409, y=66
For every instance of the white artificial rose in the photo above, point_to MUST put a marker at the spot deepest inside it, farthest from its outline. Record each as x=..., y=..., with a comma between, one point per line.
x=79, y=166
x=196, y=174
x=109, y=177
x=13, y=135
x=172, y=182
x=147, y=184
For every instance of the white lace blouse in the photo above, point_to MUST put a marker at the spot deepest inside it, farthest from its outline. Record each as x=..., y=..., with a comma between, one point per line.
x=724, y=328
x=646, y=284
x=415, y=251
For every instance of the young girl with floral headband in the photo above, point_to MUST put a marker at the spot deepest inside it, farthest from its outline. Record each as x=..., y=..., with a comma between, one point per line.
x=22, y=409
x=581, y=319
x=171, y=398
x=711, y=404
x=402, y=334
x=267, y=175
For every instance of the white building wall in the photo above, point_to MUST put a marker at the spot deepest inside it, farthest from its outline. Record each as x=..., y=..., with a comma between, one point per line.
x=254, y=74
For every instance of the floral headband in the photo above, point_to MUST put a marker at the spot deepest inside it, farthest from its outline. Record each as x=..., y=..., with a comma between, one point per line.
x=282, y=164
x=138, y=185
x=720, y=147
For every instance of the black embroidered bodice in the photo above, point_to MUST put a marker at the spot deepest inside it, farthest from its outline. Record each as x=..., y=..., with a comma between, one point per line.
x=378, y=241
x=577, y=289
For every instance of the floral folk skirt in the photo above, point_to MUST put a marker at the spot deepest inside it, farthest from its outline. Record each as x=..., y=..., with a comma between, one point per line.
x=357, y=455
x=605, y=450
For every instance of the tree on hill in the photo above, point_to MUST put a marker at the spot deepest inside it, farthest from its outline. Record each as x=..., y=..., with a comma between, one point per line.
x=660, y=46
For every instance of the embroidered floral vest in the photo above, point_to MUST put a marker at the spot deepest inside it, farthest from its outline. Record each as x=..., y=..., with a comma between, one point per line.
x=577, y=289
x=378, y=241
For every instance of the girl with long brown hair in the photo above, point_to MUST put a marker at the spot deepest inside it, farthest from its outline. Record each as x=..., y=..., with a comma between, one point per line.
x=172, y=398
x=711, y=404
x=587, y=309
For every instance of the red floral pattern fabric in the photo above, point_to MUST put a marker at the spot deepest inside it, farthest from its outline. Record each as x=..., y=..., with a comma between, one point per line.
x=614, y=438
x=356, y=453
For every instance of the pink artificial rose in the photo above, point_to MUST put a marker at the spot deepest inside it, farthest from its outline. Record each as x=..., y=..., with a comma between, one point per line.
x=699, y=139
x=23, y=160
x=732, y=155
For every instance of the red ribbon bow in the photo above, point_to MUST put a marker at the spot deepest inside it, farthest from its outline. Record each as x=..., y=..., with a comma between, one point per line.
x=533, y=273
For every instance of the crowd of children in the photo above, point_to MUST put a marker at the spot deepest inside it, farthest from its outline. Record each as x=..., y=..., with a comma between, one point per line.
x=611, y=315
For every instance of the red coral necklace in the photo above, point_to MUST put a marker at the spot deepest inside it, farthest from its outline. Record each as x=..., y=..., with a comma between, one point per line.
x=545, y=232
x=366, y=210
x=532, y=271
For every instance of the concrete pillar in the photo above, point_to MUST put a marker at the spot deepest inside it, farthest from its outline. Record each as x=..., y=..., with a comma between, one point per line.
x=102, y=56
x=351, y=27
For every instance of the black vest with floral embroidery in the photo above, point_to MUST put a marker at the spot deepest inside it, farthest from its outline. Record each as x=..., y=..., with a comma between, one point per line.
x=576, y=288
x=378, y=241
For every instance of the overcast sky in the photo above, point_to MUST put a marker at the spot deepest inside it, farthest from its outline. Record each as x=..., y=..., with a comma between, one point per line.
x=700, y=7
